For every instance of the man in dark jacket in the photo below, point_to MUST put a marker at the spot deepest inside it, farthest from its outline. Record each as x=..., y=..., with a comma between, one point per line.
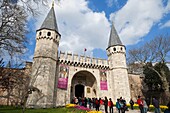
x=106, y=105
x=131, y=103
x=156, y=105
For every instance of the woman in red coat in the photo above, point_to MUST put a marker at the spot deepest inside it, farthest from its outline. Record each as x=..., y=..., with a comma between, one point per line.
x=110, y=104
x=140, y=103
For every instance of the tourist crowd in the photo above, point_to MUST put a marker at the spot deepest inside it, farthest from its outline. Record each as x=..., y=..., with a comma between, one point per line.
x=98, y=104
x=143, y=105
x=121, y=104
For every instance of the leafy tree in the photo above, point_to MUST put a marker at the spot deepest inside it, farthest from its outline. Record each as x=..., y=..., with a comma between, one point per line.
x=151, y=79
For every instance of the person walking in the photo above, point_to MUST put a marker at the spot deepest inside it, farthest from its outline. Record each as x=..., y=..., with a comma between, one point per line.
x=140, y=103
x=118, y=105
x=145, y=106
x=101, y=104
x=85, y=102
x=110, y=103
x=131, y=102
x=97, y=103
x=93, y=102
x=89, y=101
x=76, y=100
x=105, y=104
x=122, y=105
x=148, y=102
x=156, y=105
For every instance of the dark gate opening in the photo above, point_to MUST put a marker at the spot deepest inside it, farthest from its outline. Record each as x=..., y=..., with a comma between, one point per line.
x=79, y=90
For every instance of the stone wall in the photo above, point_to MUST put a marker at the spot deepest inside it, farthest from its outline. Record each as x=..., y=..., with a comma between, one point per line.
x=135, y=82
x=19, y=79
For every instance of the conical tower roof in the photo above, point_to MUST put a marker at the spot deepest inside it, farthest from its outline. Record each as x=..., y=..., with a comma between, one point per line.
x=114, y=38
x=50, y=21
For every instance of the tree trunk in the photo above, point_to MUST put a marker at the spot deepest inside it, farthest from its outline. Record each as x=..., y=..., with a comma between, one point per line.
x=165, y=85
x=162, y=76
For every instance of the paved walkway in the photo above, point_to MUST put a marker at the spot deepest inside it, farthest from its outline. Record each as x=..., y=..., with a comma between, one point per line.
x=134, y=111
x=130, y=111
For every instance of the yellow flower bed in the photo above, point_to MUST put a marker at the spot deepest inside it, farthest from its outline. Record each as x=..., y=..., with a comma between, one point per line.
x=70, y=105
x=133, y=105
x=163, y=107
x=150, y=106
x=94, y=112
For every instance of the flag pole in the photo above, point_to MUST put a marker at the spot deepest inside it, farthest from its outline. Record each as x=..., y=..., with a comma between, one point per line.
x=85, y=51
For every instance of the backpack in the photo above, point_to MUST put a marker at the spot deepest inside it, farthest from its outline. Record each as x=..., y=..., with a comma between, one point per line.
x=97, y=102
x=121, y=105
x=111, y=103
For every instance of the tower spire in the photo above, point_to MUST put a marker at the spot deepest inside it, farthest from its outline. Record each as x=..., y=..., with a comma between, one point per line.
x=50, y=20
x=114, y=38
x=53, y=3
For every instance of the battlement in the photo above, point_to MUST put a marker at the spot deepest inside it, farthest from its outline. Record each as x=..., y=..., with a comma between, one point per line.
x=46, y=34
x=82, y=61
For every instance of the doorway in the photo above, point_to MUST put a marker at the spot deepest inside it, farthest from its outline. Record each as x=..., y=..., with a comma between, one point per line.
x=80, y=82
x=79, y=91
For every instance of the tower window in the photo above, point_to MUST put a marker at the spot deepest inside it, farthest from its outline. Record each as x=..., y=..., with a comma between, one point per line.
x=121, y=48
x=114, y=49
x=49, y=34
x=40, y=33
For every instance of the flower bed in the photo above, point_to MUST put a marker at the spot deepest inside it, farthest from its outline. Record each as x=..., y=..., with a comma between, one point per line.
x=94, y=111
x=151, y=107
x=82, y=108
x=70, y=105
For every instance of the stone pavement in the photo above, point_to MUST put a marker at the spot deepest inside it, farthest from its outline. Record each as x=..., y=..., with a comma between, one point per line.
x=130, y=111
x=134, y=111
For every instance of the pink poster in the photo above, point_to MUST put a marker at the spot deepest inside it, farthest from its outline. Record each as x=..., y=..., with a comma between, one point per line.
x=103, y=85
x=103, y=80
x=63, y=76
x=62, y=83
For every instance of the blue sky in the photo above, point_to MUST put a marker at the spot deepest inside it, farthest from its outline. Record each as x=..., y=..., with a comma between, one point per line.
x=86, y=24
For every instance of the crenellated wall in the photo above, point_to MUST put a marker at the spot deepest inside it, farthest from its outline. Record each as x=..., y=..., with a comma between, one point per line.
x=82, y=61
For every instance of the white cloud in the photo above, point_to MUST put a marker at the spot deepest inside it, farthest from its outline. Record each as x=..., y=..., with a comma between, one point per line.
x=79, y=26
x=167, y=24
x=136, y=19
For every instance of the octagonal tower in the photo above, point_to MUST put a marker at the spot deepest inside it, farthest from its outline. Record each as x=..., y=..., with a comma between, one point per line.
x=116, y=52
x=45, y=64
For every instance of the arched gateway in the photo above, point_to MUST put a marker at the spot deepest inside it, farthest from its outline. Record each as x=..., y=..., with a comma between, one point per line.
x=83, y=84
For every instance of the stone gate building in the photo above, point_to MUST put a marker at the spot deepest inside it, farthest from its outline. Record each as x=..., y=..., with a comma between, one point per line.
x=60, y=76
